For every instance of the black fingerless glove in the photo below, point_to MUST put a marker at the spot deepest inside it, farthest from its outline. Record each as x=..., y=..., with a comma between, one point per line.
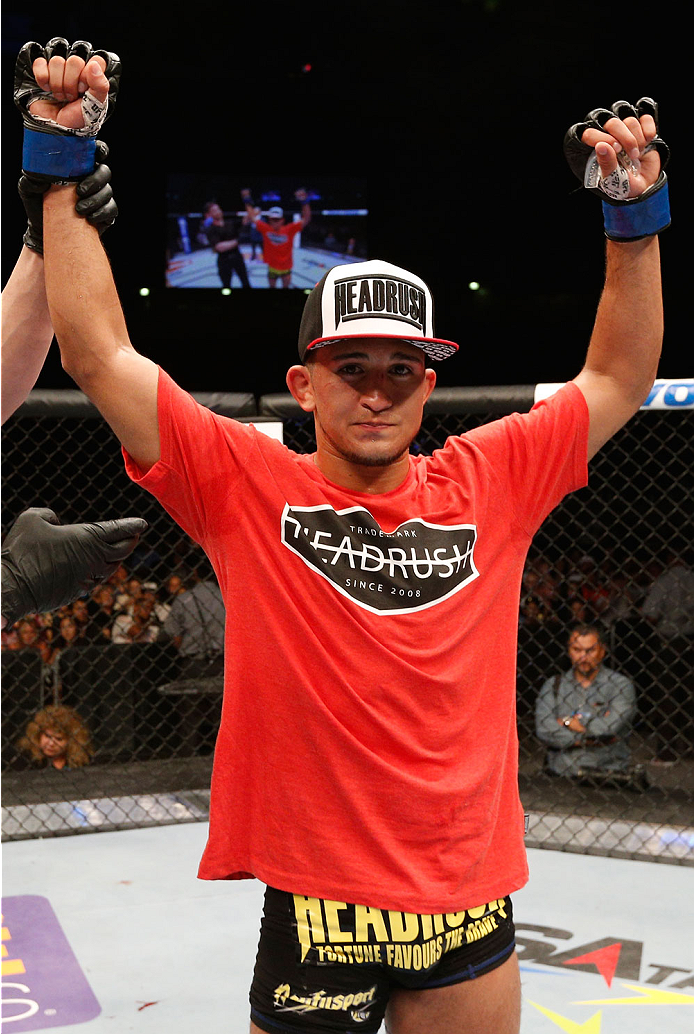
x=626, y=219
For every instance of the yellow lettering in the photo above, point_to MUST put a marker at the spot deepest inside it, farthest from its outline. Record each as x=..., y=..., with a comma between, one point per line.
x=398, y=957
x=404, y=926
x=455, y=918
x=309, y=922
x=438, y=924
x=332, y=921
x=427, y=928
x=500, y=905
x=389, y=954
x=416, y=956
x=476, y=913
x=364, y=917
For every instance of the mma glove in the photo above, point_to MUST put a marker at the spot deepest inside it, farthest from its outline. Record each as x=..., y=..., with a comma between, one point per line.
x=46, y=565
x=96, y=203
x=626, y=219
x=55, y=153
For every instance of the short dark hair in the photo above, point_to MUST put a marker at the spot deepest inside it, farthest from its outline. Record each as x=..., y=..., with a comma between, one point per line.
x=586, y=628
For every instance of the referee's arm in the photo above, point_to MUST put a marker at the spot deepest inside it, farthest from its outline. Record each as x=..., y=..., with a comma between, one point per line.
x=90, y=327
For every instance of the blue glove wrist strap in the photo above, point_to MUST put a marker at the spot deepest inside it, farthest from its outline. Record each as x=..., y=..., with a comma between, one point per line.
x=58, y=156
x=631, y=222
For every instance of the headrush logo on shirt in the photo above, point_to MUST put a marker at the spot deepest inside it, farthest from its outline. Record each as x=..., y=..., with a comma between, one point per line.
x=414, y=567
x=381, y=297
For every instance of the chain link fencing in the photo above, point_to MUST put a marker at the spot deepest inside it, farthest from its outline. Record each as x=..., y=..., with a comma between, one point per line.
x=131, y=678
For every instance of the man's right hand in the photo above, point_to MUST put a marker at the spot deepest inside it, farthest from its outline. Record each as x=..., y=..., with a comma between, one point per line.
x=65, y=93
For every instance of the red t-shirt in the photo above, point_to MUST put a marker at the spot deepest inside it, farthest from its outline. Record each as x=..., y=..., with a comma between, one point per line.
x=278, y=244
x=367, y=750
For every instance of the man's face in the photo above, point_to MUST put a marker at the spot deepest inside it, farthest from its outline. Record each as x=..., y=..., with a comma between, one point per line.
x=586, y=653
x=367, y=397
x=275, y=221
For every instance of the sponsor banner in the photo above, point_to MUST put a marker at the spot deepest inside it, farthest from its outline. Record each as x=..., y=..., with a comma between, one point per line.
x=665, y=394
x=42, y=983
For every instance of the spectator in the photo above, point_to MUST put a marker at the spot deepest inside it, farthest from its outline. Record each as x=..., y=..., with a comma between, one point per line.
x=196, y=622
x=80, y=613
x=56, y=737
x=27, y=635
x=69, y=635
x=577, y=611
x=138, y=626
x=103, y=615
x=125, y=600
x=669, y=608
x=585, y=715
x=118, y=580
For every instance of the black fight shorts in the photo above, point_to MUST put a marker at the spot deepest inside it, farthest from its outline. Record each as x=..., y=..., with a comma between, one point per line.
x=326, y=967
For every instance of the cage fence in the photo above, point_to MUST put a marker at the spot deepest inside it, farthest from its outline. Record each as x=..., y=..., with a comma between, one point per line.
x=128, y=683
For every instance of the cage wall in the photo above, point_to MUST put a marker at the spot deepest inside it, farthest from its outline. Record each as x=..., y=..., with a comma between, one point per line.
x=146, y=712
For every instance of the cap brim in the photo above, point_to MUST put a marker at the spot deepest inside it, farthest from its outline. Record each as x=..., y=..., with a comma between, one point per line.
x=435, y=348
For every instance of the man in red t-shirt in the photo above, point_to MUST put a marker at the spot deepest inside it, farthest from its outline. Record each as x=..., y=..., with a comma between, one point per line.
x=365, y=768
x=278, y=236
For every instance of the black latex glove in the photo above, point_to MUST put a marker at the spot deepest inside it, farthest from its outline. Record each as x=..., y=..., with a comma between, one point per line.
x=46, y=565
x=96, y=202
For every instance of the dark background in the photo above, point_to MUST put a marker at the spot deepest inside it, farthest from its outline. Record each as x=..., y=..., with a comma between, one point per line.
x=455, y=114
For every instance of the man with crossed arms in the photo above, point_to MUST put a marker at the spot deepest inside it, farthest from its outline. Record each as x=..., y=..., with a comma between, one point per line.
x=365, y=768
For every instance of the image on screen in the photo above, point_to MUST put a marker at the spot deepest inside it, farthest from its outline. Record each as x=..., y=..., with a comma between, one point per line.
x=244, y=232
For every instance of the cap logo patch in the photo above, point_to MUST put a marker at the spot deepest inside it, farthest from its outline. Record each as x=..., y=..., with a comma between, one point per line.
x=381, y=297
x=412, y=568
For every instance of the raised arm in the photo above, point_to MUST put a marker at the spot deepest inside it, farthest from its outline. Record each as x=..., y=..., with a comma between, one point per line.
x=90, y=327
x=27, y=331
x=626, y=169
x=65, y=94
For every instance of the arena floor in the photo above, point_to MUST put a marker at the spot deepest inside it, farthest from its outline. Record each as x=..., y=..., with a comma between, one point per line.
x=199, y=268
x=112, y=931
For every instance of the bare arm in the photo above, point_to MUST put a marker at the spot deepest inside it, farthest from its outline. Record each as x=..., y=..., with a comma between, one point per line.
x=624, y=350
x=27, y=331
x=622, y=360
x=90, y=327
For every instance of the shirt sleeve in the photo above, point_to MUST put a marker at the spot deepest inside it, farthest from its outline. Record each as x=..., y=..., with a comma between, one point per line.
x=538, y=456
x=546, y=728
x=619, y=711
x=202, y=455
x=174, y=625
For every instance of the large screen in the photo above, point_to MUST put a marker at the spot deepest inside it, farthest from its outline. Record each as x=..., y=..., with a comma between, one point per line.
x=238, y=232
